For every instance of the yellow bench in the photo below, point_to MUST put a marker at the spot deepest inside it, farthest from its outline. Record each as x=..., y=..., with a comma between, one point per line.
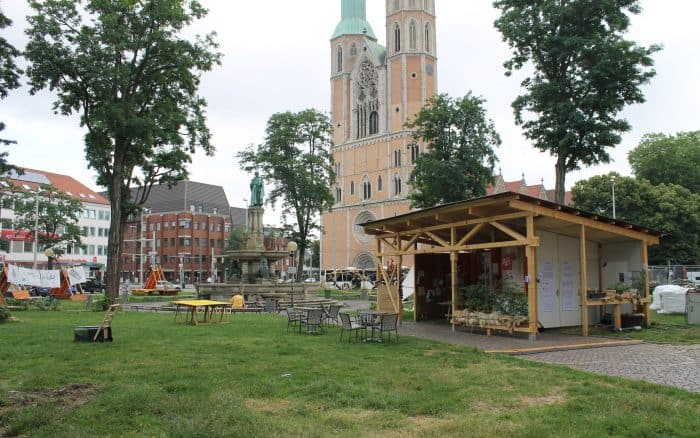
x=22, y=294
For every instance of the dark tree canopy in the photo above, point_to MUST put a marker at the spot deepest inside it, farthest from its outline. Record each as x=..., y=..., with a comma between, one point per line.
x=585, y=73
x=668, y=208
x=459, y=158
x=9, y=79
x=668, y=159
x=125, y=68
x=295, y=159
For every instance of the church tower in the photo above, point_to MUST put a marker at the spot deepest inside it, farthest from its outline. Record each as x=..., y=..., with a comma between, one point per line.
x=375, y=90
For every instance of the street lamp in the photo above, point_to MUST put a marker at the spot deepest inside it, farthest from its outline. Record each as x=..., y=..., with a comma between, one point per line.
x=36, y=226
x=612, y=184
x=292, y=248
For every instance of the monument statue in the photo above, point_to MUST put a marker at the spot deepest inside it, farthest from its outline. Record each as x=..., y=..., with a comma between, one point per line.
x=257, y=191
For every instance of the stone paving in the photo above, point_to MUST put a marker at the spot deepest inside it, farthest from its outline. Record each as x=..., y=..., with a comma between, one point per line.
x=673, y=365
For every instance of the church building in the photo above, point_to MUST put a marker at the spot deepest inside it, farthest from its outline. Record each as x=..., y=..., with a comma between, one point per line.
x=375, y=90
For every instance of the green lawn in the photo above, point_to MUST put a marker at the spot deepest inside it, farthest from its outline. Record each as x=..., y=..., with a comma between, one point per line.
x=664, y=329
x=249, y=377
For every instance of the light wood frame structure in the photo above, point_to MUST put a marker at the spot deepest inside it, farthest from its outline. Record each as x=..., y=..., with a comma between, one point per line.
x=498, y=221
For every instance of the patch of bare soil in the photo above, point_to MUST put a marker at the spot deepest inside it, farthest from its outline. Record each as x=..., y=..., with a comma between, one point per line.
x=66, y=398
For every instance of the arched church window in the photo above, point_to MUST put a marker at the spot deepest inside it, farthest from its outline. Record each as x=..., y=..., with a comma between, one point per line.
x=397, y=38
x=428, y=38
x=366, y=190
x=338, y=194
x=415, y=152
x=373, y=123
x=412, y=35
x=379, y=183
x=397, y=185
x=340, y=59
x=352, y=187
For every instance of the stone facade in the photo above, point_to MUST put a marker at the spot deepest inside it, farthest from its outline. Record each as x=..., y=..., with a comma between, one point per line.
x=375, y=90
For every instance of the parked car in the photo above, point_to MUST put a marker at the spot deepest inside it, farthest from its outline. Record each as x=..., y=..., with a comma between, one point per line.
x=37, y=291
x=92, y=285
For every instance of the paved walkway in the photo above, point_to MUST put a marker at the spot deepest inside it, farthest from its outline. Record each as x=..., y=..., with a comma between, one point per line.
x=672, y=365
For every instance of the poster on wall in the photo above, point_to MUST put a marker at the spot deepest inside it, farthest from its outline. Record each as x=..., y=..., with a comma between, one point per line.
x=568, y=286
x=547, y=295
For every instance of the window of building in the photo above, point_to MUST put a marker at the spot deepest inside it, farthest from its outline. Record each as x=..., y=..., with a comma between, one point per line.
x=379, y=183
x=196, y=225
x=192, y=208
x=92, y=231
x=151, y=226
x=339, y=59
x=219, y=243
x=338, y=194
x=366, y=190
x=352, y=188
x=397, y=158
x=415, y=152
x=397, y=185
x=91, y=249
x=196, y=241
x=397, y=38
x=185, y=241
x=211, y=226
x=211, y=243
x=172, y=241
x=158, y=226
x=353, y=49
x=165, y=225
x=185, y=224
x=373, y=122
x=428, y=37
x=200, y=208
x=165, y=242
x=218, y=227
x=412, y=35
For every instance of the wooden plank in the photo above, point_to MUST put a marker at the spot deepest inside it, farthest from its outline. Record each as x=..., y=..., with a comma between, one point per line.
x=512, y=233
x=593, y=224
x=467, y=237
x=531, y=254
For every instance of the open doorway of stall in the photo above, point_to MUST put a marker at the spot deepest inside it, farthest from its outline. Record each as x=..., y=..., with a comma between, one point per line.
x=496, y=269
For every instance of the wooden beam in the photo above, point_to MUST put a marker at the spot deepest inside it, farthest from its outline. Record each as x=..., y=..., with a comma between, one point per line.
x=532, y=314
x=590, y=223
x=467, y=237
x=413, y=240
x=441, y=242
x=453, y=283
x=512, y=233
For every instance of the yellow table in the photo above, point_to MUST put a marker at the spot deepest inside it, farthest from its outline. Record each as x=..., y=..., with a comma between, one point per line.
x=191, y=307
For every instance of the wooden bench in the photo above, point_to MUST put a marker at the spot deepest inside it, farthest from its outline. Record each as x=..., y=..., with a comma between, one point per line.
x=22, y=295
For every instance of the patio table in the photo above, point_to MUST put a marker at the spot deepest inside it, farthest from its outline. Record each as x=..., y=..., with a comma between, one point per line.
x=370, y=319
x=192, y=306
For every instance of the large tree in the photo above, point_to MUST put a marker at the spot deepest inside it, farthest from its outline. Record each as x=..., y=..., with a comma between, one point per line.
x=668, y=208
x=126, y=69
x=9, y=79
x=583, y=74
x=51, y=215
x=295, y=159
x=669, y=159
x=459, y=160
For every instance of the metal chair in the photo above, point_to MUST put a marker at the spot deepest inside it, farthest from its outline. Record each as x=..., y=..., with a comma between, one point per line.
x=293, y=318
x=347, y=324
x=388, y=322
x=313, y=320
x=332, y=313
x=271, y=306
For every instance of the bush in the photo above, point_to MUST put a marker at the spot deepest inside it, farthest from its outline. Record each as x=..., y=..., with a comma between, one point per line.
x=4, y=314
x=46, y=303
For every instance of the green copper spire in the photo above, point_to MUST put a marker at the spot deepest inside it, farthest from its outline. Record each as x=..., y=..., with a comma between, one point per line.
x=354, y=20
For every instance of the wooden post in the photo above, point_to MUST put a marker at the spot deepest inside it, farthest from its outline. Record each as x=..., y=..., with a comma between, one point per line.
x=531, y=254
x=584, y=282
x=645, y=270
x=453, y=270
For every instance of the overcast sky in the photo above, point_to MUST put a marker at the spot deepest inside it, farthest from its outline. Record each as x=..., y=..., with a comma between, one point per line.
x=277, y=58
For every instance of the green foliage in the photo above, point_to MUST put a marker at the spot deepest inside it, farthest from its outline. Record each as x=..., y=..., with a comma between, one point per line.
x=670, y=209
x=585, y=73
x=100, y=302
x=125, y=68
x=46, y=303
x=57, y=219
x=478, y=298
x=459, y=160
x=668, y=159
x=295, y=158
x=9, y=79
x=4, y=314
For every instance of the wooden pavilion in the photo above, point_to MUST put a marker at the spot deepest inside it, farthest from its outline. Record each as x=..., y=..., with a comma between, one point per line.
x=563, y=259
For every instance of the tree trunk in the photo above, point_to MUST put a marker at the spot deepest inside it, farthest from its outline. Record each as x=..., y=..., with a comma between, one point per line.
x=115, y=234
x=559, y=188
